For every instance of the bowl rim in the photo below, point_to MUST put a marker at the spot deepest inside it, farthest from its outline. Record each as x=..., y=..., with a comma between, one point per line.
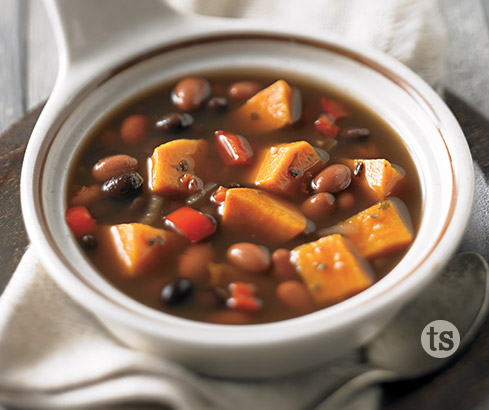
x=450, y=236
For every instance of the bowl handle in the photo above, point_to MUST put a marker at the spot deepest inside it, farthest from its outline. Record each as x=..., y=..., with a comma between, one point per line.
x=85, y=29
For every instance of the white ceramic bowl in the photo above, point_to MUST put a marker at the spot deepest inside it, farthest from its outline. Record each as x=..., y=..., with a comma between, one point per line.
x=98, y=73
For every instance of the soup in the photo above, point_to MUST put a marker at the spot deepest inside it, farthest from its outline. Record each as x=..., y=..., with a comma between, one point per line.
x=242, y=197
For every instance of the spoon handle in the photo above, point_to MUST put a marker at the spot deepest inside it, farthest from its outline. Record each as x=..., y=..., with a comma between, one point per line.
x=367, y=376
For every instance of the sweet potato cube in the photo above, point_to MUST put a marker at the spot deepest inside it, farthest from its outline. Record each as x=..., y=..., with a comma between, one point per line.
x=271, y=108
x=174, y=163
x=287, y=169
x=383, y=228
x=254, y=212
x=331, y=269
x=376, y=177
x=136, y=248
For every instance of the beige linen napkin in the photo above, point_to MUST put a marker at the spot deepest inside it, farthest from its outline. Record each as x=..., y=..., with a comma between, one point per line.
x=409, y=30
x=56, y=355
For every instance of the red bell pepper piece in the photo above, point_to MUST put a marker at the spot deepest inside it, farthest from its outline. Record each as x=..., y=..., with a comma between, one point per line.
x=220, y=195
x=243, y=297
x=233, y=149
x=193, y=224
x=334, y=108
x=80, y=221
x=326, y=126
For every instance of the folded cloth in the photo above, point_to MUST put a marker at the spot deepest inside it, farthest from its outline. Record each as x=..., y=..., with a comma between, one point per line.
x=56, y=355
x=409, y=30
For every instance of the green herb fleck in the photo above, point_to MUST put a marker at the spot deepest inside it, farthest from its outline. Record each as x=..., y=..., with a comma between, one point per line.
x=293, y=171
x=254, y=116
x=323, y=265
x=181, y=166
x=315, y=287
x=157, y=239
x=384, y=205
x=374, y=216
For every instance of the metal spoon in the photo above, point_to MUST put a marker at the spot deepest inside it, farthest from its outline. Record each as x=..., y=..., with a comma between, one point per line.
x=459, y=295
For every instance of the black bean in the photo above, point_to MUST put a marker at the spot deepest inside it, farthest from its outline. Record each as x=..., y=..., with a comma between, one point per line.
x=174, y=122
x=89, y=241
x=177, y=291
x=217, y=104
x=123, y=186
x=354, y=133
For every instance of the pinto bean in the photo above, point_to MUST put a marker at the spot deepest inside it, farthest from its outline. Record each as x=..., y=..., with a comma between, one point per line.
x=242, y=90
x=318, y=206
x=283, y=268
x=332, y=179
x=133, y=129
x=295, y=296
x=192, y=263
x=345, y=201
x=190, y=93
x=113, y=166
x=250, y=257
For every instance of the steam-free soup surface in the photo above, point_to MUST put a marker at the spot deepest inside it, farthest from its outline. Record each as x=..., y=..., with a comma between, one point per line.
x=243, y=198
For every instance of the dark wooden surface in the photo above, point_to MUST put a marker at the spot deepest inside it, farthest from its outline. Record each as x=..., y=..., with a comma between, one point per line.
x=462, y=386
x=13, y=238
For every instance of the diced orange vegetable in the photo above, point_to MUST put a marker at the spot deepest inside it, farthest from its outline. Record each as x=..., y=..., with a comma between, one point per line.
x=193, y=224
x=173, y=163
x=287, y=169
x=272, y=108
x=334, y=108
x=254, y=212
x=136, y=247
x=331, y=269
x=326, y=126
x=80, y=221
x=376, y=177
x=380, y=229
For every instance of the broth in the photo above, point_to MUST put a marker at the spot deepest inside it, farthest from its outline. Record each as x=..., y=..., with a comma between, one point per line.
x=209, y=297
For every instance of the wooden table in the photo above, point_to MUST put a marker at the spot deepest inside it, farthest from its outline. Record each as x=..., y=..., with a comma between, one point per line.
x=27, y=72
